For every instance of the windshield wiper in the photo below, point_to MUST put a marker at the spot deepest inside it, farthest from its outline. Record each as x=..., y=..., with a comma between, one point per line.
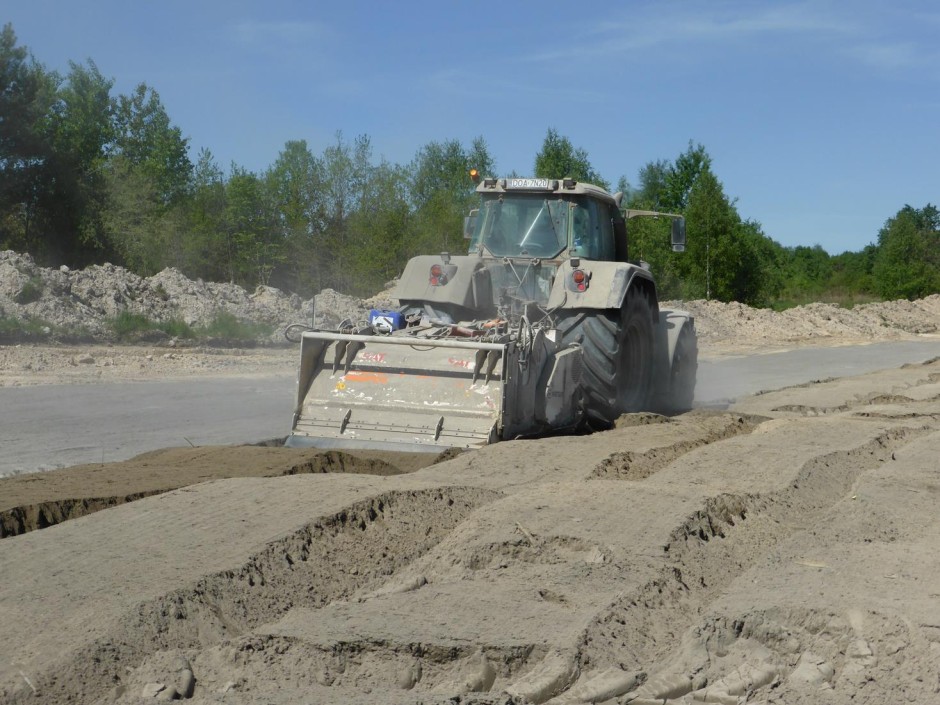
x=551, y=221
x=546, y=208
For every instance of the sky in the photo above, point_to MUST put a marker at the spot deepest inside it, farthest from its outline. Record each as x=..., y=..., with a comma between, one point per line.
x=822, y=118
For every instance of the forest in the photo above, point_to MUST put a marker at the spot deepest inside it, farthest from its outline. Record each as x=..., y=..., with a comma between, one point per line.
x=88, y=176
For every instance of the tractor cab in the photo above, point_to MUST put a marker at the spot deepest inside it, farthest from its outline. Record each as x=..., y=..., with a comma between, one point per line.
x=544, y=219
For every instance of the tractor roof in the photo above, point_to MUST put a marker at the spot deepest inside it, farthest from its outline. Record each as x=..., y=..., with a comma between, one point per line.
x=561, y=187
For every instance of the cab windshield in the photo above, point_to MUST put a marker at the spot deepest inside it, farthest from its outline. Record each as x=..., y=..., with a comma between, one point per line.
x=522, y=225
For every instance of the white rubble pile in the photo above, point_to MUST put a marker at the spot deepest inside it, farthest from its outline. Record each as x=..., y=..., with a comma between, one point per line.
x=86, y=299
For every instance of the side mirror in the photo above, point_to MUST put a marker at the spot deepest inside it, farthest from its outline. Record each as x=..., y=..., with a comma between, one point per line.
x=678, y=234
x=469, y=223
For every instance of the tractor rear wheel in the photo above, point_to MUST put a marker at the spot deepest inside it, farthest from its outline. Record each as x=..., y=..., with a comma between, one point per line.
x=617, y=358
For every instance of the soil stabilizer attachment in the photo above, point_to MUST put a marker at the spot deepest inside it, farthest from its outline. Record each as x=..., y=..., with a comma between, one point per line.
x=404, y=392
x=386, y=392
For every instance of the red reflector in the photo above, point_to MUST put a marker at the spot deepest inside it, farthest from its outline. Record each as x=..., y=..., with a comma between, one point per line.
x=434, y=281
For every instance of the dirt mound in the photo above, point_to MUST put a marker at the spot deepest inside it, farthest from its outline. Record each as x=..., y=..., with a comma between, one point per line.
x=818, y=323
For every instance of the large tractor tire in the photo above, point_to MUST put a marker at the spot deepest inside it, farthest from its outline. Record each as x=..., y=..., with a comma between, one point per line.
x=617, y=359
x=683, y=371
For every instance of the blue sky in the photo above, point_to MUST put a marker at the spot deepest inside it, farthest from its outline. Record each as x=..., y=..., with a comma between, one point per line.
x=822, y=118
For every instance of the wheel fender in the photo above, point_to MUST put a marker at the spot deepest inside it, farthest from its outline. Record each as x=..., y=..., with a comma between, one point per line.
x=673, y=321
x=607, y=288
x=459, y=288
x=671, y=324
x=558, y=406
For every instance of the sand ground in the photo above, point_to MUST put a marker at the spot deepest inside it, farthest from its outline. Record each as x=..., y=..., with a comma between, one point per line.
x=782, y=551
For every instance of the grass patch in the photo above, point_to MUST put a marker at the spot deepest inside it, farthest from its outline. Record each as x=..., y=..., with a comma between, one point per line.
x=35, y=330
x=177, y=328
x=136, y=327
x=127, y=325
x=17, y=329
x=228, y=327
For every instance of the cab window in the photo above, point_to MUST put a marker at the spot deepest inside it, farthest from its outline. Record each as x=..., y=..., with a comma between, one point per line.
x=593, y=235
x=522, y=225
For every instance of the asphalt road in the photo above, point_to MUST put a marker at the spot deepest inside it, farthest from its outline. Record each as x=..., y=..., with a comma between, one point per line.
x=45, y=427
x=724, y=380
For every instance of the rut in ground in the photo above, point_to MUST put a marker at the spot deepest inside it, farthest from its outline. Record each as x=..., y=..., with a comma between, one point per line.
x=632, y=639
x=365, y=546
x=637, y=465
x=642, y=632
x=325, y=561
x=41, y=515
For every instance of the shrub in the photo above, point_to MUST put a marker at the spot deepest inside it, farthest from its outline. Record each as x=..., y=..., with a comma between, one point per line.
x=31, y=291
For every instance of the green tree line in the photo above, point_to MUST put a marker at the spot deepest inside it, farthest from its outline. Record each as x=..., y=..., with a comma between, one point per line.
x=730, y=258
x=88, y=176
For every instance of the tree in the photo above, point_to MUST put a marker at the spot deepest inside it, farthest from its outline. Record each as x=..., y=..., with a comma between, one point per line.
x=681, y=176
x=624, y=187
x=148, y=181
x=652, y=180
x=445, y=167
x=131, y=219
x=649, y=241
x=442, y=192
x=295, y=185
x=27, y=93
x=381, y=228
x=558, y=159
x=907, y=264
x=852, y=272
x=666, y=186
x=757, y=278
x=207, y=242
x=81, y=131
x=146, y=235
x=726, y=258
x=254, y=249
x=345, y=171
x=806, y=273
x=146, y=140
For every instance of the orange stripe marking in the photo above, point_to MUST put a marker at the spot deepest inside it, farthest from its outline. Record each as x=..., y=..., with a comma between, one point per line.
x=376, y=377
